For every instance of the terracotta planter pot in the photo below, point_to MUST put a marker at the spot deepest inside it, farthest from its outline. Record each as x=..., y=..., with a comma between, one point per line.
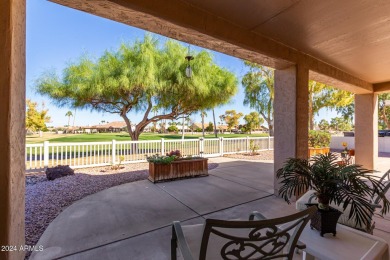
x=351, y=152
x=178, y=169
x=314, y=151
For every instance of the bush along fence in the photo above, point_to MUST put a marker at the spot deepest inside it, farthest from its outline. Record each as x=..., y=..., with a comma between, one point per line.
x=92, y=154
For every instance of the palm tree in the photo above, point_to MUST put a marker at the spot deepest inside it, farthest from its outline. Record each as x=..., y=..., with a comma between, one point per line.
x=74, y=116
x=215, y=125
x=182, y=128
x=188, y=122
x=69, y=114
x=203, y=114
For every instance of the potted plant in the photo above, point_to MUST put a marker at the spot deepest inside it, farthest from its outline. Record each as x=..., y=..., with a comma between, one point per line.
x=348, y=185
x=319, y=142
x=174, y=166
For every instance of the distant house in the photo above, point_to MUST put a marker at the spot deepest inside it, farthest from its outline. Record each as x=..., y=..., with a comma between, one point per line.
x=196, y=126
x=220, y=128
x=113, y=127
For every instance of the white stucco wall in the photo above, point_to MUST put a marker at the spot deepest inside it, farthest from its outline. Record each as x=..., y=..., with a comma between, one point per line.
x=335, y=143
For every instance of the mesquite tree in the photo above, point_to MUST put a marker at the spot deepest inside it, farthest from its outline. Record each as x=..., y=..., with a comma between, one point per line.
x=142, y=78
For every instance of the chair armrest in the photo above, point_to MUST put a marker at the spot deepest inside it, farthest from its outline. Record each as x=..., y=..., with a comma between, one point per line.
x=177, y=233
x=256, y=215
x=300, y=245
x=385, y=190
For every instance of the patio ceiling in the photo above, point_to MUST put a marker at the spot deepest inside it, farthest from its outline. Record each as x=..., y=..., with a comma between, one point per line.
x=344, y=43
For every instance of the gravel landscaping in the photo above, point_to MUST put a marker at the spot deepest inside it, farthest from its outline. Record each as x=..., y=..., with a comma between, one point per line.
x=45, y=200
x=262, y=155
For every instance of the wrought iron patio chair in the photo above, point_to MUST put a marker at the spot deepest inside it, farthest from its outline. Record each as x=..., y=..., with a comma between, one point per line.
x=257, y=238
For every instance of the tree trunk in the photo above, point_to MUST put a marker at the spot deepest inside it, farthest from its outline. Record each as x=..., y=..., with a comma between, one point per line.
x=203, y=125
x=134, y=135
x=215, y=125
x=182, y=129
x=74, y=117
x=270, y=129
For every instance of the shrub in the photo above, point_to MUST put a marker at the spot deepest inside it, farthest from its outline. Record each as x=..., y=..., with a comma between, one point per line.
x=118, y=166
x=172, y=128
x=253, y=147
x=319, y=139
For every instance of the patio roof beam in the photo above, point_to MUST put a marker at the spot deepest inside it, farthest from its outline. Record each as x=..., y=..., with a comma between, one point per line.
x=382, y=87
x=181, y=20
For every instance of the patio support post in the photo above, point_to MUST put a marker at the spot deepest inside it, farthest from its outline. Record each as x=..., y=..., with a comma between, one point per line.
x=366, y=130
x=291, y=116
x=12, y=125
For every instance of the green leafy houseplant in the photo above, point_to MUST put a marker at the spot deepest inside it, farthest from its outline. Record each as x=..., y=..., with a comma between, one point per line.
x=160, y=159
x=340, y=184
x=169, y=157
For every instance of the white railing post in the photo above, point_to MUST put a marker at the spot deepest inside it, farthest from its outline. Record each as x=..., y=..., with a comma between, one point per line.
x=269, y=142
x=201, y=146
x=247, y=144
x=45, y=154
x=221, y=146
x=162, y=146
x=113, y=152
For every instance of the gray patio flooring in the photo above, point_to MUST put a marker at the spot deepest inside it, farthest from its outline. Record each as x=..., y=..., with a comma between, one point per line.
x=132, y=221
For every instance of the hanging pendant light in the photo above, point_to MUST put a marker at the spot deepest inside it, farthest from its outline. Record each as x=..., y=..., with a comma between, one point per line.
x=188, y=68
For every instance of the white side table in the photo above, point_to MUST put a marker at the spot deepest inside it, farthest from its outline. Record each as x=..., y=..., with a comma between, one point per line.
x=348, y=244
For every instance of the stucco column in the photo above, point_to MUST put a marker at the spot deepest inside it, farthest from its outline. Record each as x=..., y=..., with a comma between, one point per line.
x=12, y=121
x=366, y=130
x=291, y=116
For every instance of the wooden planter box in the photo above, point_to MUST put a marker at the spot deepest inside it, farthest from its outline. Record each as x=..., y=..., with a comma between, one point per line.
x=178, y=169
x=314, y=151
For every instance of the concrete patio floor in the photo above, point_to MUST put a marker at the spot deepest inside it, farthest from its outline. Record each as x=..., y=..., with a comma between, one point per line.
x=132, y=221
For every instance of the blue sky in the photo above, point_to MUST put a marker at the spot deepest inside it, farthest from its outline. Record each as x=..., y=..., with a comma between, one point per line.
x=58, y=35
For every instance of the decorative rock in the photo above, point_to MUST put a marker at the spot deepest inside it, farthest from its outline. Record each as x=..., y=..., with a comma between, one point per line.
x=46, y=199
x=58, y=172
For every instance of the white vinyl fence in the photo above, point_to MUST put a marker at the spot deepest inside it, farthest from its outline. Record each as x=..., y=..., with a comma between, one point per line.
x=91, y=154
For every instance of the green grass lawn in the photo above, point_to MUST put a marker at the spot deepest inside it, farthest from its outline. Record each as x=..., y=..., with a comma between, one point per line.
x=102, y=137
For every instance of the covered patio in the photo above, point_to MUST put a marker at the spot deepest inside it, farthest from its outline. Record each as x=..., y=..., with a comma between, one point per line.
x=344, y=44
x=133, y=221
